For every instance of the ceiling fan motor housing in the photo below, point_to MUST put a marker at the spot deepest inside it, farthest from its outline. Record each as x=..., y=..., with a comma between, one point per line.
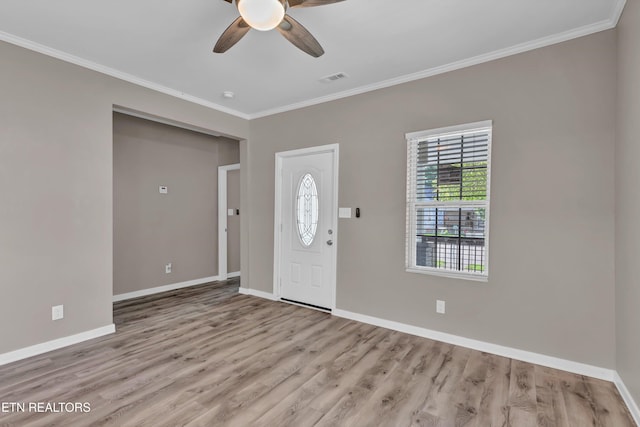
x=265, y=15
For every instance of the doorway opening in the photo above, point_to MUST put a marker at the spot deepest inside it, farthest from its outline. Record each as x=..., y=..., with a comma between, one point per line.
x=165, y=204
x=229, y=221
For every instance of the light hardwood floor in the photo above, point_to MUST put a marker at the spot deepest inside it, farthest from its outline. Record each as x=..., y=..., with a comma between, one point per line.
x=207, y=356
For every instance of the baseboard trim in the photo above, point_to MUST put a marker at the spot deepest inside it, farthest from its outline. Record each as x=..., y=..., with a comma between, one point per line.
x=45, y=347
x=259, y=294
x=513, y=353
x=232, y=275
x=628, y=399
x=165, y=288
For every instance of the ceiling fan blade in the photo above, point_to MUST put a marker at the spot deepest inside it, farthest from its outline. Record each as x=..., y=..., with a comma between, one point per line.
x=231, y=35
x=301, y=38
x=228, y=1
x=311, y=3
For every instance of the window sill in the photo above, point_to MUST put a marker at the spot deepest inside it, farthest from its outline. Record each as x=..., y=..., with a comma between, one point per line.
x=449, y=274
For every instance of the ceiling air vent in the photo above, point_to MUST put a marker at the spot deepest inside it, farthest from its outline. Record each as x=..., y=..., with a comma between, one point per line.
x=333, y=77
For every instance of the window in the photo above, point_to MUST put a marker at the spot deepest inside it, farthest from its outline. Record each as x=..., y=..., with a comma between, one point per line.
x=448, y=173
x=307, y=210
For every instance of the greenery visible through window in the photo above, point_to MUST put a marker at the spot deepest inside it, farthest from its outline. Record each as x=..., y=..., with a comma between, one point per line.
x=447, y=203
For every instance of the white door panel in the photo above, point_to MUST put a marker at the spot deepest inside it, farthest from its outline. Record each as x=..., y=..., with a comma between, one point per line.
x=307, y=253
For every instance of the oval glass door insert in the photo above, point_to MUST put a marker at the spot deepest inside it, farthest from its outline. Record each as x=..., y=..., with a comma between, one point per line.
x=307, y=209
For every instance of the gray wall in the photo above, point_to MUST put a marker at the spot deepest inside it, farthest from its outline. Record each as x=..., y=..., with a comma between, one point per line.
x=233, y=222
x=56, y=213
x=551, y=285
x=181, y=227
x=628, y=200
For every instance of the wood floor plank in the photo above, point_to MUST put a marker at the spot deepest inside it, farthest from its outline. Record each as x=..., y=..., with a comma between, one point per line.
x=607, y=398
x=208, y=356
x=465, y=400
x=219, y=379
x=590, y=403
x=446, y=380
x=492, y=410
x=424, y=419
x=347, y=369
x=407, y=388
x=284, y=402
x=522, y=402
x=256, y=384
x=347, y=409
x=551, y=407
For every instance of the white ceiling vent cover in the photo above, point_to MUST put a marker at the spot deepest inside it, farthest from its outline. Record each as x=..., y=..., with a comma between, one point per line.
x=334, y=77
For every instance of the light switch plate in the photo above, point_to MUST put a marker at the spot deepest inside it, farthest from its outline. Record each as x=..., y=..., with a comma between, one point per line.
x=57, y=312
x=344, y=213
x=230, y=212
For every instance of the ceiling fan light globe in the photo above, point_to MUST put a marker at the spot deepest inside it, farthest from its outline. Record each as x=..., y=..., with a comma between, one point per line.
x=263, y=15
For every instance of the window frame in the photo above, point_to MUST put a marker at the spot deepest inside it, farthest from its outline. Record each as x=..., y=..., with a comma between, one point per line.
x=413, y=139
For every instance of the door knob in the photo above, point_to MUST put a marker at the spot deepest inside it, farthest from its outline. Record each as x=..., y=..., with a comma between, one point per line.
x=329, y=242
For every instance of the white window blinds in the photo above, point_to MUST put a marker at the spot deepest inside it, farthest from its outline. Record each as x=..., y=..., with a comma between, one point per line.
x=448, y=173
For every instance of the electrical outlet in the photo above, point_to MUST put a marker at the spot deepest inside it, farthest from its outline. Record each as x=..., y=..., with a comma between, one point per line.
x=440, y=307
x=57, y=312
x=167, y=268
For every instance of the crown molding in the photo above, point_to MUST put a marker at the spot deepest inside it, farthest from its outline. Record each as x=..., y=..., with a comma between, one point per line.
x=606, y=24
x=487, y=57
x=76, y=60
x=617, y=12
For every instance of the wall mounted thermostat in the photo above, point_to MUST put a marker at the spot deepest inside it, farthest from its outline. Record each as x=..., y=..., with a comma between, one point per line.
x=164, y=189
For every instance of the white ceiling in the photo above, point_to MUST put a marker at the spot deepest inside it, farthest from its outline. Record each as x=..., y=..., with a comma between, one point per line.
x=167, y=44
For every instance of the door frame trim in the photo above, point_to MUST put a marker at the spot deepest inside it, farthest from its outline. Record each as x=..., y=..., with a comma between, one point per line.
x=334, y=149
x=223, y=273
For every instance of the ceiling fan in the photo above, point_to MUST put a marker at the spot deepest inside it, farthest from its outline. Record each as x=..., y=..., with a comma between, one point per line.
x=265, y=15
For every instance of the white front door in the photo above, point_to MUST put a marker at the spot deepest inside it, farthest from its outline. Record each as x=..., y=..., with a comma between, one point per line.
x=307, y=231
